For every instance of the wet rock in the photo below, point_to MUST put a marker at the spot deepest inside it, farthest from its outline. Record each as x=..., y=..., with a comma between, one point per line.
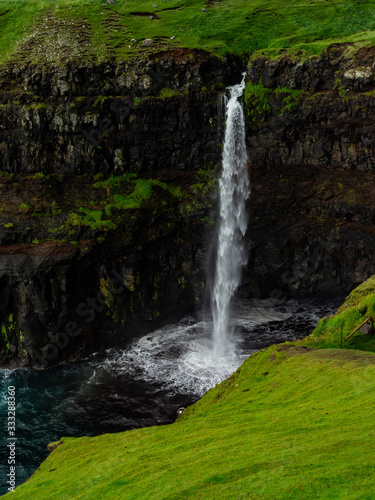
x=311, y=171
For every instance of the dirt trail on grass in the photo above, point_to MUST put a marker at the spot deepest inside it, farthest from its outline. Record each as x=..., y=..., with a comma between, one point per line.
x=341, y=356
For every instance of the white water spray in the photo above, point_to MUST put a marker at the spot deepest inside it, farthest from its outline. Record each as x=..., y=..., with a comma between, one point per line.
x=234, y=187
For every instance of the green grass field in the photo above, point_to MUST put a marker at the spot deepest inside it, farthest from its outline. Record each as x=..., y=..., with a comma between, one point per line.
x=291, y=423
x=295, y=421
x=85, y=31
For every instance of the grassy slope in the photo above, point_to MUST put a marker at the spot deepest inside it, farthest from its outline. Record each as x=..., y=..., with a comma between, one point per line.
x=42, y=31
x=357, y=307
x=290, y=423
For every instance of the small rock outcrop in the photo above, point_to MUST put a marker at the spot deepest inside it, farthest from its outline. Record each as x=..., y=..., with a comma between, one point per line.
x=148, y=42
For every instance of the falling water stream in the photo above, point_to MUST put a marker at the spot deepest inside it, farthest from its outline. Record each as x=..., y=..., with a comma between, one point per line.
x=234, y=189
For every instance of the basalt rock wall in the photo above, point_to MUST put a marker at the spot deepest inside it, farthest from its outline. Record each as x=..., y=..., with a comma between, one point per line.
x=76, y=278
x=112, y=135
x=311, y=145
x=58, y=306
x=84, y=266
x=160, y=114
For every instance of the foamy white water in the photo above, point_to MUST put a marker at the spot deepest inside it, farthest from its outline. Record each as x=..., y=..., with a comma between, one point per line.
x=234, y=188
x=180, y=357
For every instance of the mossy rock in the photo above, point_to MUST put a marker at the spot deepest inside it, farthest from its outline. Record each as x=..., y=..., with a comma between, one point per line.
x=364, y=290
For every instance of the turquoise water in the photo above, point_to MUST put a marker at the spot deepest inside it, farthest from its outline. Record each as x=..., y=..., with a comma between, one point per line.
x=80, y=399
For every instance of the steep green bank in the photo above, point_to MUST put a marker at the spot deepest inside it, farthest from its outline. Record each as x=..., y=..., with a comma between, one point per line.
x=292, y=422
x=341, y=328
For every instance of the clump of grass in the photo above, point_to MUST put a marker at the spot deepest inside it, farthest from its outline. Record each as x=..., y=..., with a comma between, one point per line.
x=289, y=98
x=24, y=208
x=364, y=291
x=257, y=102
x=143, y=190
x=200, y=196
x=167, y=93
x=89, y=218
x=260, y=101
x=114, y=181
x=206, y=183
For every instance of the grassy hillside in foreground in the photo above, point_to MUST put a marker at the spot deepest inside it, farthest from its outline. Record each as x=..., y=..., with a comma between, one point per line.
x=291, y=423
x=57, y=31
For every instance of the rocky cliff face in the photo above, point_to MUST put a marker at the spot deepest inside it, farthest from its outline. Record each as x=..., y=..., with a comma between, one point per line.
x=113, y=117
x=91, y=279
x=108, y=191
x=311, y=139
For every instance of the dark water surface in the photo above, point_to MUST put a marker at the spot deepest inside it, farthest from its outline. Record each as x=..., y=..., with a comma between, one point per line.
x=141, y=385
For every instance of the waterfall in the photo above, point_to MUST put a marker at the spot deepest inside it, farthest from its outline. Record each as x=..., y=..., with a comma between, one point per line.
x=234, y=188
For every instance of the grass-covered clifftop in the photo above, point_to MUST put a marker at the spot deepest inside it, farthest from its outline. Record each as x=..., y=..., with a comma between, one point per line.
x=294, y=421
x=50, y=31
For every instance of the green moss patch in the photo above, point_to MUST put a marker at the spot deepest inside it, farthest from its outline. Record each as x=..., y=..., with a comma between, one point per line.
x=128, y=192
x=260, y=101
x=44, y=208
x=89, y=218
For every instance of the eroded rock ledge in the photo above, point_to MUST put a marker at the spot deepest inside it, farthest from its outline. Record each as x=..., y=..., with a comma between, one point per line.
x=340, y=66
